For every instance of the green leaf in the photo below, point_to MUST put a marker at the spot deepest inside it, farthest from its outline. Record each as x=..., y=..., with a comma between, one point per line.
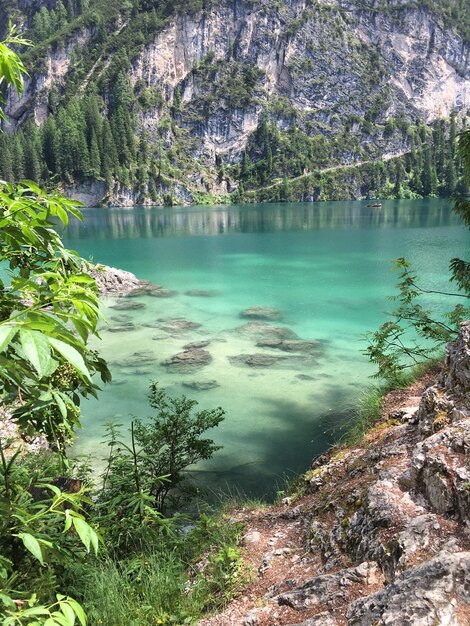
x=36, y=610
x=79, y=612
x=32, y=544
x=37, y=350
x=84, y=531
x=7, y=601
x=68, y=612
x=7, y=334
x=61, y=404
x=72, y=355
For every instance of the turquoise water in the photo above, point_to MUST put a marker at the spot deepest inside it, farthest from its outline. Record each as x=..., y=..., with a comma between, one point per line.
x=325, y=267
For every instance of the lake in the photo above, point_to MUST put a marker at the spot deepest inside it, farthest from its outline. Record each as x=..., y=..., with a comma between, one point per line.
x=326, y=267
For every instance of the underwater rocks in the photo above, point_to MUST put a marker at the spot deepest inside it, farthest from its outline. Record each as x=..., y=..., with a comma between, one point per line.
x=197, y=344
x=291, y=345
x=139, y=359
x=188, y=360
x=201, y=385
x=162, y=293
x=173, y=325
x=262, y=331
x=127, y=305
x=256, y=360
x=124, y=327
x=261, y=313
x=200, y=293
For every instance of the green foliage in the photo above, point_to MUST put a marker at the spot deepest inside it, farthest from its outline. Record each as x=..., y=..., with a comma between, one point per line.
x=48, y=310
x=42, y=528
x=173, y=580
x=144, y=478
x=415, y=333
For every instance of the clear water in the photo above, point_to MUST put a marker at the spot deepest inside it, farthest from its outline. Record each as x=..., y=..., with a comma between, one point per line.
x=325, y=266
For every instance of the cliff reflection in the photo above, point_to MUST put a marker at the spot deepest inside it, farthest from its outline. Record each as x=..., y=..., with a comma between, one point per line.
x=209, y=221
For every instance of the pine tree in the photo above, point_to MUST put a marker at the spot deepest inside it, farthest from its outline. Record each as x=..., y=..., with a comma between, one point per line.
x=109, y=155
x=6, y=169
x=50, y=144
x=95, y=158
x=17, y=156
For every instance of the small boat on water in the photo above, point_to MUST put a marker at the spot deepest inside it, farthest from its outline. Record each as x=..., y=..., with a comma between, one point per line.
x=375, y=206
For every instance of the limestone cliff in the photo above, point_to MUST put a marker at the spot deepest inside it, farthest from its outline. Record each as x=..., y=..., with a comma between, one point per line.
x=381, y=535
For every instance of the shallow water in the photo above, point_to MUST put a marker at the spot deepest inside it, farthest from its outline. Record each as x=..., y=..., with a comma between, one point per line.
x=325, y=266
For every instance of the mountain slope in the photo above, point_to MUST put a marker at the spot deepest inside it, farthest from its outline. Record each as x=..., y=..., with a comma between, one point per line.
x=235, y=97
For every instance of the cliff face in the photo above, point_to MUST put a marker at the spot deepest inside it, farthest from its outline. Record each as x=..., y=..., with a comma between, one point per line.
x=330, y=60
x=381, y=535
x=351, y=74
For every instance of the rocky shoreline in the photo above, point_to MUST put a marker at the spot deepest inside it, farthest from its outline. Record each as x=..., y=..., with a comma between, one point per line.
x=380, y=535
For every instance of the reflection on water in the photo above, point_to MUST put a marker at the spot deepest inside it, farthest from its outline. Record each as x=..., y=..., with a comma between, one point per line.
x=325, y=267
x=142, y=222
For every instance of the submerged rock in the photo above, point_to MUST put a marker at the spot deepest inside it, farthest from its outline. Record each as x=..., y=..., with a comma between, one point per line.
x=197, y=344
x=292, y=345
x=201, y=385
x=138, y=359
x=262, y=331
x=163, y=293
x=127, y=305
x=173, y=325
x=122, y=328
x=261, y=313
x=201, y=293
x=143, y=290
x=256, y=360
x=188, y=360
x=121, y=319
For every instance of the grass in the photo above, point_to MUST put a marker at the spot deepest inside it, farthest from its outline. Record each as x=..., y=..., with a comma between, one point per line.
x=369, y=407
x=176, y=580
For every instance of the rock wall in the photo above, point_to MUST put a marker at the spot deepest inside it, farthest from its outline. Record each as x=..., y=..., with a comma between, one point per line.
x=320, y=56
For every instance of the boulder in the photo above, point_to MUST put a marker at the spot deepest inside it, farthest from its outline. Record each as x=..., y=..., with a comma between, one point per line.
x=431, y=593
x=330, y=589
x=188, y=360
x=113, y=281
x=201, y=385
x=262, y=331
x=261, y=313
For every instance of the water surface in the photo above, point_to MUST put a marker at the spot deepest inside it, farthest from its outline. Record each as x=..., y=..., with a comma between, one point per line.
x=325, y=266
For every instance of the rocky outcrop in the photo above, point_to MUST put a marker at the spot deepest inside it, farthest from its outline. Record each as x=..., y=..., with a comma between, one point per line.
x=380, y=537
x=115, y=282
